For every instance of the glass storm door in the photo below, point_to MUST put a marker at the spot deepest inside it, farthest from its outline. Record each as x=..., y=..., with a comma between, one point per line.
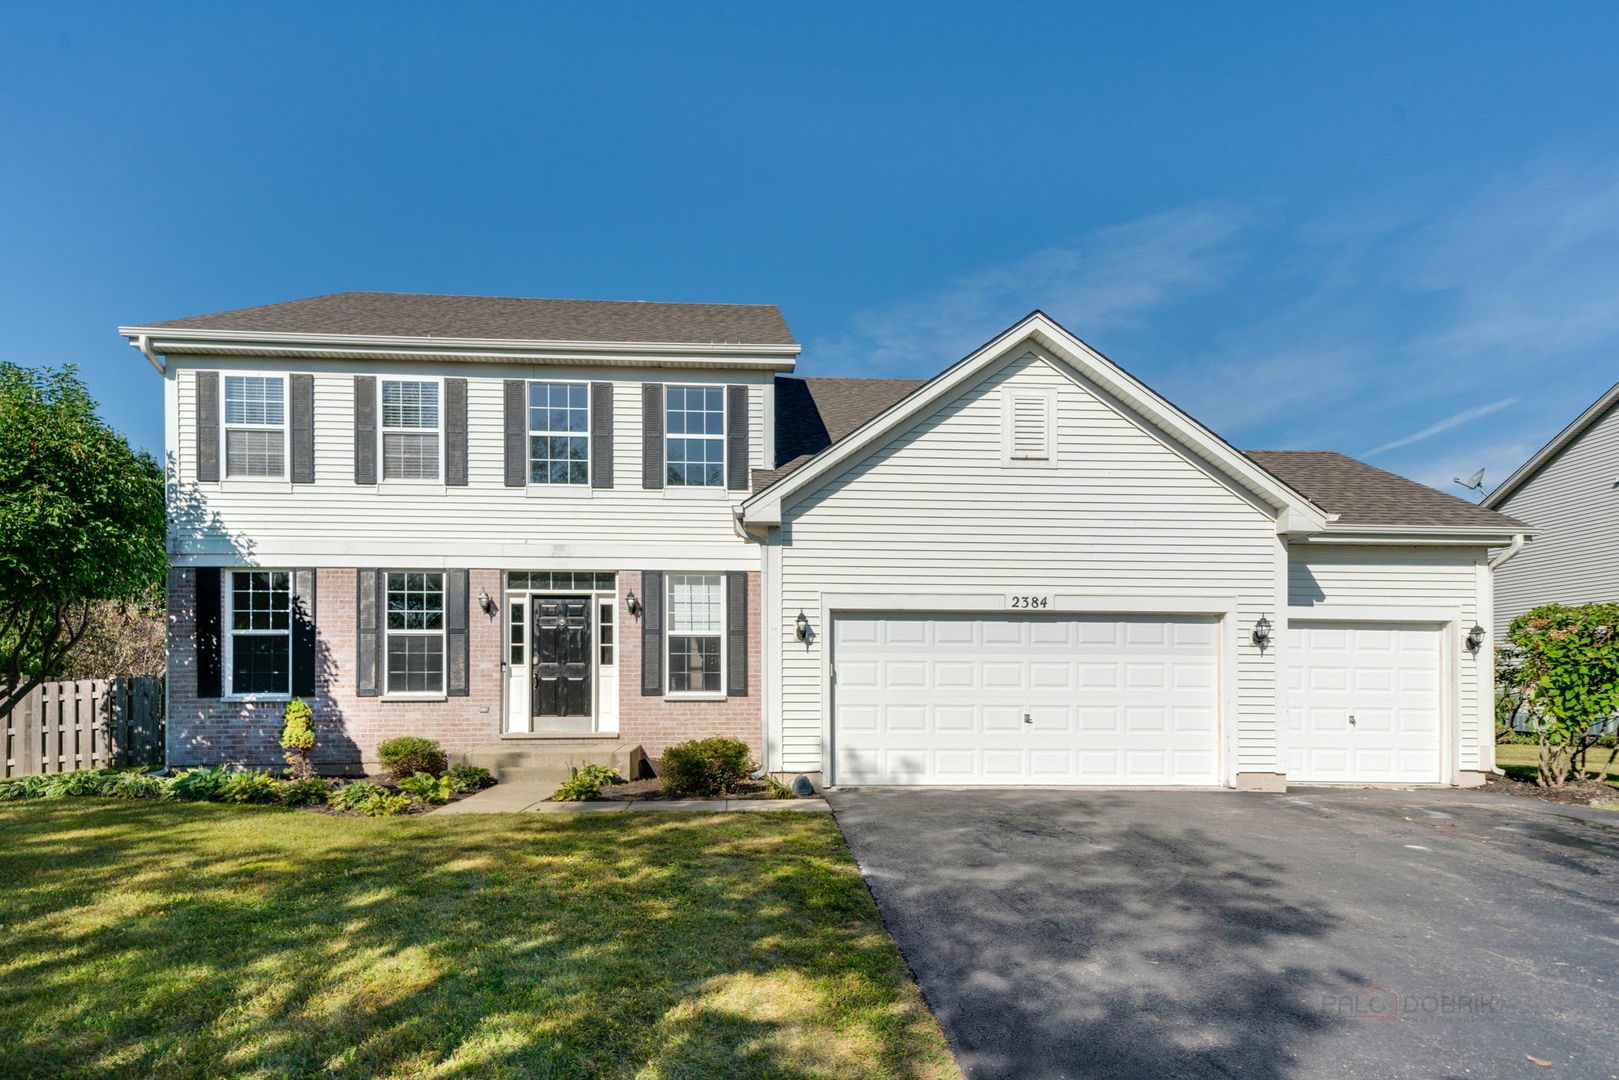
x=561, y=663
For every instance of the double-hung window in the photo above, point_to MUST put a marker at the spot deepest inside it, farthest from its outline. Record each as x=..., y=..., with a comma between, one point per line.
x=260, y=633
x=410, y=429
x=694, y=429
x=415, y=632
x=558, y=433
x=696, y=630
x=255, y=426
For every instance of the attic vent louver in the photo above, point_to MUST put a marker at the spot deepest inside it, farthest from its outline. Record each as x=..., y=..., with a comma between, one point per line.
x=1027, y=421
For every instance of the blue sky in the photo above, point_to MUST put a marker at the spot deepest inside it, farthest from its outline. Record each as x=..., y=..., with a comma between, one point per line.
x=1386, y=229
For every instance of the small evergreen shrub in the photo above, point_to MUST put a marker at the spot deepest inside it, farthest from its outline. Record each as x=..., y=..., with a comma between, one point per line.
x=705, y=768
x=250, y=787
x=197, y=785
x=308, y=792
x=409, y=755
x=465, y=778
x=298, y=738
x=429, y=789
x=587, y=783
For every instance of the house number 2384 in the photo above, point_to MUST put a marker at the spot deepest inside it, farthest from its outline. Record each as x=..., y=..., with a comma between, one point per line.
x=1028, y=601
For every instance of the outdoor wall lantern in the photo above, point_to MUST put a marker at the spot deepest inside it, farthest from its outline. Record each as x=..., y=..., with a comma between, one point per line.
x=633, y=602
x=485, y=602
x=801, y=626
x=1262, y=632
x=1475, y=638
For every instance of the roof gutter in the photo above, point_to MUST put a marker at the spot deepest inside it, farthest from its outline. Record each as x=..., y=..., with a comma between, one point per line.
x=1511, y=550
x=143, y=344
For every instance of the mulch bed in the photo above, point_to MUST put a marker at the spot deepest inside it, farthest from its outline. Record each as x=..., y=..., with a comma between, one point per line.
x=1574, y=793
x=641, y=790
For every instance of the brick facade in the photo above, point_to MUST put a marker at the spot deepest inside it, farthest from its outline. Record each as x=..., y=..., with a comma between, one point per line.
x=210, y=731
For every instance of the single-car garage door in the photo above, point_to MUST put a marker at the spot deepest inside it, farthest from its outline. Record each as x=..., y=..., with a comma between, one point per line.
x=1363, y=703
x=1024, y=699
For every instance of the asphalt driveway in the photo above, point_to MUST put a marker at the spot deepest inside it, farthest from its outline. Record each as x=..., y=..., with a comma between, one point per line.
x=1324, y=933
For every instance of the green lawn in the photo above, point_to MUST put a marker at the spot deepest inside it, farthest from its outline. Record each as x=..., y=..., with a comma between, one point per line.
x=194, y=940
x=1524, y=755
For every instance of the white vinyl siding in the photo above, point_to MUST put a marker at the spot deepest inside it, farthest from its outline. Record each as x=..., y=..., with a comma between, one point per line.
x=935, y=509
x=1321, y=577
x=483, y=524
x=1572, y=506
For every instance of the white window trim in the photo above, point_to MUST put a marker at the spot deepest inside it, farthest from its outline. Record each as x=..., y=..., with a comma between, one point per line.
x=1049, y=397
x=286, y=429
x=669, y=634
x=605, y=602
x=227, y=646
x=547, y=488
x=724, y=438
x=441, y=694
x=383, y=430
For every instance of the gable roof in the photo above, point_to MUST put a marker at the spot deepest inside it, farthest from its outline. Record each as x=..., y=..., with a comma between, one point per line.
x=423, y=315
x=1295, y=513
x=1543, y=457
x=1361, y=494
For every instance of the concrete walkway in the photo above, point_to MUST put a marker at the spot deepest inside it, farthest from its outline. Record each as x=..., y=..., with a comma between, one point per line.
x=528, y=797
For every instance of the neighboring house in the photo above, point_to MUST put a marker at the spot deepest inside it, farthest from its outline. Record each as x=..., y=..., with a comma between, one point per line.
x=1569, y=489
x=478, y=519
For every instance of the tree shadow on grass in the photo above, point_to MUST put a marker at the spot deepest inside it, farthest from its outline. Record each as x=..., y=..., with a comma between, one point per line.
x=179, y=941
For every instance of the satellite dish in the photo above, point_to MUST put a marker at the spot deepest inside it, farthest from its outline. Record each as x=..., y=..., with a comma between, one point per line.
x=1474, y=483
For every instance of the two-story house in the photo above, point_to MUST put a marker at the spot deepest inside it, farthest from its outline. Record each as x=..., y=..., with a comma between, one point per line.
x=483, y=519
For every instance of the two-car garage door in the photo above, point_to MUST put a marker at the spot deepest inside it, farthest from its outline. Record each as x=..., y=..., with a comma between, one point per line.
x=1025, y=699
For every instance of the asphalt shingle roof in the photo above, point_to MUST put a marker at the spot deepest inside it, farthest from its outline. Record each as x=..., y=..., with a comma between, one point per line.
x=1361, y=494
x=505, y=318
x=812, y=414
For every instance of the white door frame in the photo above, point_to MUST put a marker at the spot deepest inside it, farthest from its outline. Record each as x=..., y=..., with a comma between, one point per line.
x=599, y=706
x=1222, y=608
x=1449, y=621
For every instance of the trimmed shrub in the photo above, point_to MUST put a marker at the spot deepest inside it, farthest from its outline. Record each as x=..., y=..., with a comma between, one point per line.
x=409, y=755
x=587, y=783
x=298, y=738
x=429, y=789
x=197, y=785
x=705, y=768
x=250, y=787
x=465, y=778
x=309, y=792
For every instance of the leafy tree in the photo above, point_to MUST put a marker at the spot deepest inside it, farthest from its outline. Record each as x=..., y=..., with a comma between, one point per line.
x=298, y=738
x=81, y=522
x=1570, y=675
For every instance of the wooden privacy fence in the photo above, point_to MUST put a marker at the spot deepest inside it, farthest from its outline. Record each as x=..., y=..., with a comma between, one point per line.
x=86, y=724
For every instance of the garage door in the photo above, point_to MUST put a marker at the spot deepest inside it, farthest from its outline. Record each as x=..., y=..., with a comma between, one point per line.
x=1024, y=700
x=1363, y=703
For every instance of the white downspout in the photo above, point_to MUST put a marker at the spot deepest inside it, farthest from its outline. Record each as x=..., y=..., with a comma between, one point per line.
x=143, y=344
x=1512, y=549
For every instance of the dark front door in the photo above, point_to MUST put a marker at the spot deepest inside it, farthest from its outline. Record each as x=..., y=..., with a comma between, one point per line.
x=562, y=662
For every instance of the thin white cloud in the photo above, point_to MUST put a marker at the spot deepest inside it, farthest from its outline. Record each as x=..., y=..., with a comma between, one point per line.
x=1446, y=424
x=1110, y=276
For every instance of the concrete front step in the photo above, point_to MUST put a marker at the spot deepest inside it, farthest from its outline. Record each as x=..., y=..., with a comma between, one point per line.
x=554, y=761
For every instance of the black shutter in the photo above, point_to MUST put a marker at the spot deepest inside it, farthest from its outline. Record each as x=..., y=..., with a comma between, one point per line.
x=301, y=426
x=736, y=438
x=367, y=630
x=455, y=432
x=365, y=429
x=601, y=434
x=516, y=433
x=304, y=674
x=456, y=652
x=205, y=604
x=652, y=435
x=736, y=633
x=208, y=428
x=651, y=633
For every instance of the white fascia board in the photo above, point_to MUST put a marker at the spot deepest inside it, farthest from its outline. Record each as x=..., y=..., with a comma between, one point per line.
x=1296, y=514
x=1551, y=449
x=341, y=346
x=1414, y=534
